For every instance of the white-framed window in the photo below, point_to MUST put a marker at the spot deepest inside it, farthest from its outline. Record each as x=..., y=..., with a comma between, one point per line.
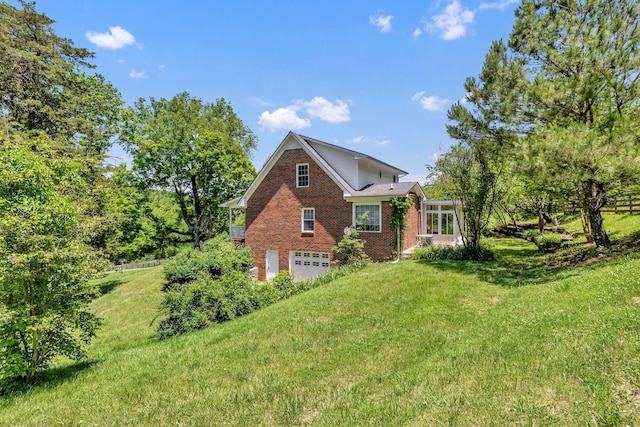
x=367, y=217
x=440, y=219
x=302, y=175
x=308, y=220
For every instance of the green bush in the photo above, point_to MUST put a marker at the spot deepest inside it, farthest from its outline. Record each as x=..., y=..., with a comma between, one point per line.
x=216, y=257
x=552, y=238
x=550, y=242
x=350, y=250
x=205, y=301
x=531, y=235
x=456, y=253
x=213, y=286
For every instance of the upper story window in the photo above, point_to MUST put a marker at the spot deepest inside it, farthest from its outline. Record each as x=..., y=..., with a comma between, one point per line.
x=367, y=217
x=302, y=175
x=308, y=220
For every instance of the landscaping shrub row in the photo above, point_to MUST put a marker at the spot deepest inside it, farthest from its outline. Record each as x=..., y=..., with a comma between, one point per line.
x=212, y=285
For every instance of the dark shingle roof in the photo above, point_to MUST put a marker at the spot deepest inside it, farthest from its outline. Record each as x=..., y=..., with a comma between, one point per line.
x=390, y=189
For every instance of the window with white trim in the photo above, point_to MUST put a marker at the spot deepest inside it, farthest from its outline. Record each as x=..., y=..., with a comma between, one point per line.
x=308, y=220
x=302, y=175
x=440, y=219
x=367, y=217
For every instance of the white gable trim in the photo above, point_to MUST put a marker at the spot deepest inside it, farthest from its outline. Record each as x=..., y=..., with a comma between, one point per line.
x=287, y=144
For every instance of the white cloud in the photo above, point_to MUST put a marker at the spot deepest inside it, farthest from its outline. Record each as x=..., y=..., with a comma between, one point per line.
x=417, y=33
x=116, y=38
x=318, y=108
x=137, y=74
x=259, y=102
x=499, y=5
x=336, y=112
x=363, y=140
x=437, y=155
x=453, y=22
x=283, y=118
x=382, y=22
x=417, y=96
x=121, y=61
x=162, y=68
x=430, y=103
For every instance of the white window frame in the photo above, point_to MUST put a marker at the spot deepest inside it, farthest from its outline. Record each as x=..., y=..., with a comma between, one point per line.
x=299, y=175
x=379, y=205
x=439, y=218
x=303, y=220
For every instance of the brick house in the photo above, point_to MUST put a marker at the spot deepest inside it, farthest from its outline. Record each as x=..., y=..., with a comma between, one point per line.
x=309, y=191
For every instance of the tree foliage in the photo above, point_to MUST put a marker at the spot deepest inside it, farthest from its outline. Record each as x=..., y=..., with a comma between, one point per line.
x=45, y=260
x=580, y=98
x=561, y=101
x=470, y=172
x=198, y=151
x=56, y=210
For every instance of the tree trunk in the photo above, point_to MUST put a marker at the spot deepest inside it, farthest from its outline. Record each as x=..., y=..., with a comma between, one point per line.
x=595, y=196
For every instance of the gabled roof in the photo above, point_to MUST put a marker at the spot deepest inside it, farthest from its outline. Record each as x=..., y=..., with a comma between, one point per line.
x=307, y=144
x=390, y=190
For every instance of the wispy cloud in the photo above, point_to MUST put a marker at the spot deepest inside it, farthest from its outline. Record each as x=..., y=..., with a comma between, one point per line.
x=437, y=155
x=363, y=140
x=162, y=67
x=137, y=74
x=317, y=108
x=382, y=22
x=499, y=5
x=453, y=22
x=116, y=38
x=430, y=103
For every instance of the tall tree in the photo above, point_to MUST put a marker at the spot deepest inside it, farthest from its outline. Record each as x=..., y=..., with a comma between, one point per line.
x=472, y=168
x=579, y=103
x=57, y=125
x=198, y=151
x=45, y=259
x=38, y=70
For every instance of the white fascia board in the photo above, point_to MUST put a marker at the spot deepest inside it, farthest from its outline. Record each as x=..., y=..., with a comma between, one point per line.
x=276, y=156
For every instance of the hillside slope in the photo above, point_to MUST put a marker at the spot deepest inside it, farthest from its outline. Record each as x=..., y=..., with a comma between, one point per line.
x=410, y=343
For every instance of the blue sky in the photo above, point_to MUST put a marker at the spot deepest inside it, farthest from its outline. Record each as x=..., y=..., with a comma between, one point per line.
x=374, y=76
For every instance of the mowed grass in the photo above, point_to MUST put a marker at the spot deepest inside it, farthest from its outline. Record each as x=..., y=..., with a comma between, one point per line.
x=528, y=339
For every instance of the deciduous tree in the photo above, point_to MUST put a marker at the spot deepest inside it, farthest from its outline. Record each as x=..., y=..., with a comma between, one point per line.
x=198, y=151
x=45, y=259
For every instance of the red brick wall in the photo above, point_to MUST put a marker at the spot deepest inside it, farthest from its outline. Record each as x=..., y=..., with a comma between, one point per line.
x=412, y=225
x=273, y=216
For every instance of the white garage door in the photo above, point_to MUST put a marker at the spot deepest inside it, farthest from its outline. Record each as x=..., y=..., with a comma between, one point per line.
x=306, y=264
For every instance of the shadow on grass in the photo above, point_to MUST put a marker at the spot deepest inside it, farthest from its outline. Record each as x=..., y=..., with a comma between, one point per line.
x=50, y=378
x=519, y=264
x=109, y=286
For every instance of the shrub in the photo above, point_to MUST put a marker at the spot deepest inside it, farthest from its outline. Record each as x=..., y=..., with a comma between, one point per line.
x=284, y=283
x=350, y=250
x=550, y=242
x=456, y=253
x=205, y=301
x=552, y=238
x=217, y=257
x=531, y=235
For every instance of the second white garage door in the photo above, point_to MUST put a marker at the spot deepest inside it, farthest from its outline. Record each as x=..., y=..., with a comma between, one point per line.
x=305, y=264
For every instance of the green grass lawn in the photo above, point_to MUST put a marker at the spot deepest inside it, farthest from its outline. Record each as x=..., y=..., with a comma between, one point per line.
x=528, y=339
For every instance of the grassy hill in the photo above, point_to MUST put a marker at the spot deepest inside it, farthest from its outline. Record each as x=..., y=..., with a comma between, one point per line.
x=528, y=339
